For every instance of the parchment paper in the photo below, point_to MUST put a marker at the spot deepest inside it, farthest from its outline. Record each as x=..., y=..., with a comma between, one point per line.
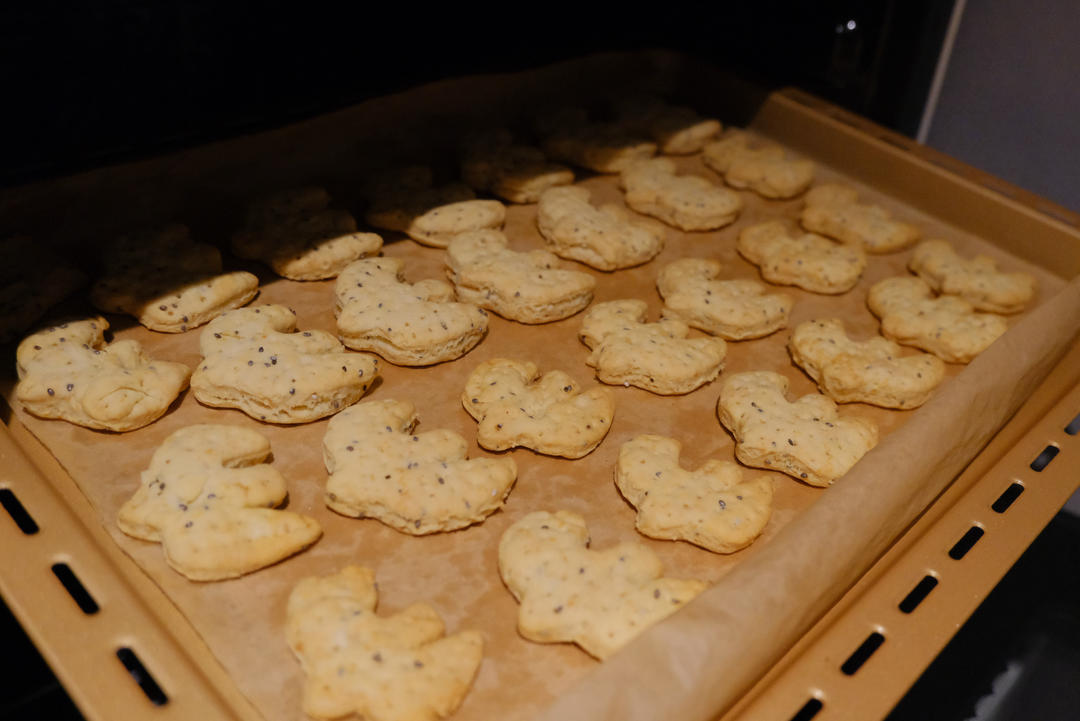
x=816, y=543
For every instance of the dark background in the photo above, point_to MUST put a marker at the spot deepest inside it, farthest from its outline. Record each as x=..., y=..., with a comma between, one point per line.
x=94, y=83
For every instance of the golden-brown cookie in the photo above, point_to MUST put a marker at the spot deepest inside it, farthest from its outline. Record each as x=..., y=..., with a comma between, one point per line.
x=410, y=324
x=806, y=439
x=211, y=500
x=395, y=668
x=417, y=483
x=875, y=371
x=735, y=309
x=713, y=507
x=549, y=413
x=977, y=280
x=598, y=599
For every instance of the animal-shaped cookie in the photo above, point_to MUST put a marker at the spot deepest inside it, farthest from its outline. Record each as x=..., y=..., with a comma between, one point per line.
x=69, y=372
x=598, y=599
x=732, y=309
x=33, y=278
x=492, y=162
x=300, y=237
x=947, y=326
x=256, y=360
x=408, y=324
x=658, y=357
x=394, y=668
x=676, y=130
x=752, y=163
x=687, y=202
x=977, y=280
x=168, y=282
x=549, y=413
x=834, y=210
x=873, y=371
x=570, y=137
x=806, y=439
x=809, y=261
x=211, y=500
x=407, y=200
x=712, y=507
x=529, y=287
x=607, y=237
x=417, y=483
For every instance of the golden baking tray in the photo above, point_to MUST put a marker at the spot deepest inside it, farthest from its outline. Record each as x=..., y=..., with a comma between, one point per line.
x=852, y=628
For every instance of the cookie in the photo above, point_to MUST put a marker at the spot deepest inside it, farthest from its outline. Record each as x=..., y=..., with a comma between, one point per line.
x=493, y=163
x=752, y=163
x=806, y=439
x=658, y=357
x=416, y=483
x=407, y=201
x=598, y=599
x=687, y=202
x=834, y=210
x=570, y=137
x=211, y=500
x=69, y=372
x=528, y=287
x=168, y=282
x=395, y=668
x=300, y=237
x=549, y=413
x=409, y=324
x=32, y=280
x=712, y=507
x=255, y=359
x=873, y=371
x=977, y=280
x=606, y=238
x=809, y=261
x=947, y=326
x=732, y=309
x=676, y=130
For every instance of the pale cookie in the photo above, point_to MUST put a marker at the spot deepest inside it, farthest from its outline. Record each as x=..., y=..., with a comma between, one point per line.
x=676, y=130
x=873, y=371
x=431, y=215
x=396, y=668
x=570, y=137
x=69, y=372
x=255, y=359
x=598, y=599
x=211, y=501
x=493, y=163
x=759, y=165
x=549, y=413
x=712, y=507
x=608, y=237
x=417, y=484
x=657, y=357
x=32, y=279
x=731, y=309
x=687, y=202
x=806, y=439
x=409, y=324
x=528, y=287
x=947, y=326
x=300, y=237
x=834, y=210
x=809, y=261
x=977, y=280
x=168, y=282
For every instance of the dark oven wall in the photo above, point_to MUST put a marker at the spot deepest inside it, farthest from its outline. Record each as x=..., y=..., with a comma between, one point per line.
x=93, y=83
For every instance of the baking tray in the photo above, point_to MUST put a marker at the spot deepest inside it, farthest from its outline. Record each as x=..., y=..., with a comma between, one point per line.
x=130, y=652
